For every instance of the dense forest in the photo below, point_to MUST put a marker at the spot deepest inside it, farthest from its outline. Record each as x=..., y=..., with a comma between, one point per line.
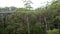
x=44, y=20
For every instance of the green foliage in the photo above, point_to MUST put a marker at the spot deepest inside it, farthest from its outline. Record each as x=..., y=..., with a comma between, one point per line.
x=17, y=22
x=54, y=31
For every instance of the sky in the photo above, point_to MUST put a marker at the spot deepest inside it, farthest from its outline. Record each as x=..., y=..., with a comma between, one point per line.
x=19, y=3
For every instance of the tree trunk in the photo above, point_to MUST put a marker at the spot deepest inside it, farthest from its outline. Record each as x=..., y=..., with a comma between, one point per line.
x=46, y=25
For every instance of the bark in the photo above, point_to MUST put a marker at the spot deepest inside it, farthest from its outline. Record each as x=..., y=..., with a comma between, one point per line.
x=46, y=25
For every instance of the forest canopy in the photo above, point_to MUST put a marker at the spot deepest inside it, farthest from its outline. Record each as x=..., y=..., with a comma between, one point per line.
x=38, y=19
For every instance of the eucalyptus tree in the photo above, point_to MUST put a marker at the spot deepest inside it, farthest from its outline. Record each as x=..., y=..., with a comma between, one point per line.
x=28, y=8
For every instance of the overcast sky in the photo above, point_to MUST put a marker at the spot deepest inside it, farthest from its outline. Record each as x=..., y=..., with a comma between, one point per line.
x=19, y=3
